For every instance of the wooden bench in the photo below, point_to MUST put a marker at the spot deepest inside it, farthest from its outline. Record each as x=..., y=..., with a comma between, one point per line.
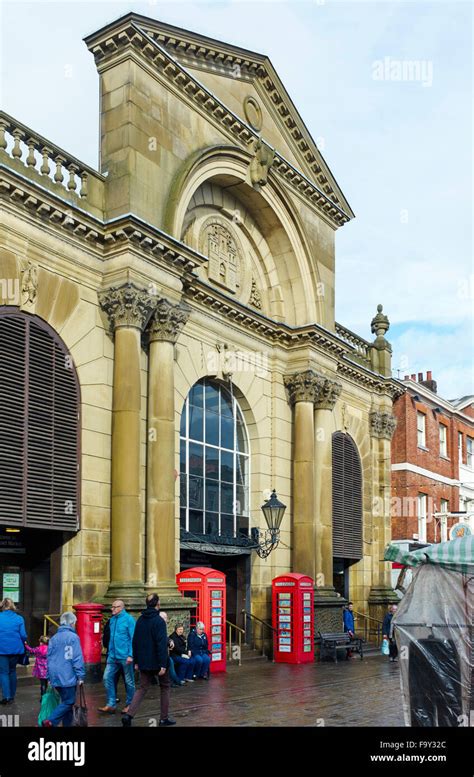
x=331, y=642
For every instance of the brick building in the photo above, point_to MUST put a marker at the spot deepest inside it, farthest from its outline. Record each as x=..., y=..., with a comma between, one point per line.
x=432, y=462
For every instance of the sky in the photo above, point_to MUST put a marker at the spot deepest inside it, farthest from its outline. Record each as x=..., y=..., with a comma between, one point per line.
x=398, y=140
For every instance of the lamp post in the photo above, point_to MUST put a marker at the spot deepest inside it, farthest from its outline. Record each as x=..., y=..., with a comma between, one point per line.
x=273, y=511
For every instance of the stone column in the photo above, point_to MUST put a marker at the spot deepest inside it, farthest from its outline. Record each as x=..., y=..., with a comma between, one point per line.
x=302, y=389
x=165, y=327
x=128, y=309
x=382, y=427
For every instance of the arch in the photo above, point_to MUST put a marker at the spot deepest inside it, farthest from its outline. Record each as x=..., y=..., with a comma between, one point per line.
x=347, y=508
x=214, y=463
x=271, y=210
x=39, y=425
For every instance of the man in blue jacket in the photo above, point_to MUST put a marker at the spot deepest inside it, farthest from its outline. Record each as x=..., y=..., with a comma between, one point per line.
x=65, y=668
x=119, y=656
x=348, y=619
x=12, y=646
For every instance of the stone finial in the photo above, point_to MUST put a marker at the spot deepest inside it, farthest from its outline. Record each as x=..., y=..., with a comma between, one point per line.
x=379, y=326
x=382, y=425
x=261, y=163
x=168, y=320
x=127, y=306
x=310, y=386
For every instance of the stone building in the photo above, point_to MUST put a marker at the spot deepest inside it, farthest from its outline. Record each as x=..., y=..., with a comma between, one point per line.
x=168, y=345
x=432, y=462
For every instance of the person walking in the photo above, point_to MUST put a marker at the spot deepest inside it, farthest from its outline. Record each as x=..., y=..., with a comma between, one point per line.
x=348, y=620
x=40, y=669
x=150, y=655
x=119, y=657
x=387, y=632
x=181, y=655
x=199, y=649
x=12, y=647
x=65, y=669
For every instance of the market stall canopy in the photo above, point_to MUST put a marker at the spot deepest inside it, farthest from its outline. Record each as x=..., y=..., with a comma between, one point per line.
x=457, y=555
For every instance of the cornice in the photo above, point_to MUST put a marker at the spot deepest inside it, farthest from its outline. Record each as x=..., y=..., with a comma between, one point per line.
x=132, y=36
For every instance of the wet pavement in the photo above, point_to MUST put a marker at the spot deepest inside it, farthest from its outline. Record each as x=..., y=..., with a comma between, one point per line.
x=259, y=693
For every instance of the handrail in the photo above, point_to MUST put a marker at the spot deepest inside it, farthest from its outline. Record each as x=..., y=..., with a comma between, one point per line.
x=263, y=624
x=49, y=617
x=369, y=617
x=230, y=651
x=369, y=630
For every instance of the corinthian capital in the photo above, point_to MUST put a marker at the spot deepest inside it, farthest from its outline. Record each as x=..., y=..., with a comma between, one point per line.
x=311, y=386
x=168, y=320
x=382, y=425
x=127, y=305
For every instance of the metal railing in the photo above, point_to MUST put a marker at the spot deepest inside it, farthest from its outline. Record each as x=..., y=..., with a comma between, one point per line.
x=260, y=638
x=49, y=618
x=371, y=630
x=232, y=644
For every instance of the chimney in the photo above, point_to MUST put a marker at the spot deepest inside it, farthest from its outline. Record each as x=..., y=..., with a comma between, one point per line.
x=429, y=383
x=420, y=377
x=406, y=377
x=413, y=377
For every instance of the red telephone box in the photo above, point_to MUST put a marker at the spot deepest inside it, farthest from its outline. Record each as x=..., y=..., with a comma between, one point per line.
x=88, y=629
x=293, y=618
x=207, y=587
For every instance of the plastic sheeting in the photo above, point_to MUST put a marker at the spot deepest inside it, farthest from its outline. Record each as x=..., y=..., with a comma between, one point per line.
x=434, y=633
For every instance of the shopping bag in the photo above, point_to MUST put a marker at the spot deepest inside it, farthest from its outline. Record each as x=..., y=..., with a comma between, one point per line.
x=80, y=710
x=49, y=702
x=385, y=649
x=23, y=659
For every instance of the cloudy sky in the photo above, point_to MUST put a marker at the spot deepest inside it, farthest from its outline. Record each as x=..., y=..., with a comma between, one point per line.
x=400, y=148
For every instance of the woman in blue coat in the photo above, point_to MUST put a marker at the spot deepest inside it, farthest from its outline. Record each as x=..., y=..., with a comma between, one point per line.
x=199, y=648
x=12, y=646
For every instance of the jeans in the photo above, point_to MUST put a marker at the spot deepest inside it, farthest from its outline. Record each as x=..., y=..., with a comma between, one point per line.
x=201, y=665
x=112, y=671
x=145, y=684
x=173, y=676
x=8, y=675
x=184, y=667
x=64, y=709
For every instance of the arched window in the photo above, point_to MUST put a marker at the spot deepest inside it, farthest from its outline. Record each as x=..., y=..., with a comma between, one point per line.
x=39, y=426
x=346, y=498
x=214, y=463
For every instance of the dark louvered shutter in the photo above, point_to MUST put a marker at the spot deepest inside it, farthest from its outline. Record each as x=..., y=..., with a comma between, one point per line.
x=39, y=426
x=346, y=498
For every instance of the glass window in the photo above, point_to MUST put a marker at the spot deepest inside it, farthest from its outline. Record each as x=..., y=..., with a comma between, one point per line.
x=214, y=463
x=470, y=452
x=421, y=429
x=460, y=447
x=443, y=443
x=422, y=508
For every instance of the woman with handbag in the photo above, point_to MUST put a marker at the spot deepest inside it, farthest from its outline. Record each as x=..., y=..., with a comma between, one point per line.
x=12, y=648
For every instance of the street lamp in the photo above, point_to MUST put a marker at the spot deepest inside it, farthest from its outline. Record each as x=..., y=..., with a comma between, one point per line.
x=273, y=511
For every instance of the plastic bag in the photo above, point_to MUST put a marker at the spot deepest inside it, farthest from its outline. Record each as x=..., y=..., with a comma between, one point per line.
x=80, y=710
x=49, y=702
x=385, y=648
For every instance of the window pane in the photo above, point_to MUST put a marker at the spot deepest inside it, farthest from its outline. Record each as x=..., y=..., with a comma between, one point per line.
x=226, y=405
x=227, y=525
x=195, y=491
x=242, y=525
x=195, y=423
x=212, y=463
x=227, y=432
x=242, y=505
x=212, y=523
x=227, y=466
x=212, y=398
x=182, y=429
x=212, y=495
x=182, y=456
x=182, y=491
x=242, y=469
x=196, y=519
x=227, y=498
x=196, y=395
x=212, y=428
x=241, y=437
x=196, y=459
x=182, y=519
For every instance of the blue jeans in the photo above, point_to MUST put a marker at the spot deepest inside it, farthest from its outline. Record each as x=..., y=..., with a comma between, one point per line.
x=112, y=670
x=8, y=676
x=63, y=711
x=173, y=676
x=184, y=667
x=201, y=665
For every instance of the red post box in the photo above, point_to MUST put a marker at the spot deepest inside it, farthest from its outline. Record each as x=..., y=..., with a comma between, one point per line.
x=88, y=628
x=293, y=618
x=207, y=587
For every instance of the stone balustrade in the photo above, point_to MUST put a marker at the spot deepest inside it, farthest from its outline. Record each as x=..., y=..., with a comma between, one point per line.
x=47, y=160
x=358, y=343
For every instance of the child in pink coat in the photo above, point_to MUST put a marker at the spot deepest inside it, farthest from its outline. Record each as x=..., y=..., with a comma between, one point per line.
x=40, y=669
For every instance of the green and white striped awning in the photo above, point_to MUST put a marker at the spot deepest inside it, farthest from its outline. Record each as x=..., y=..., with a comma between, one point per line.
x=457, y=555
